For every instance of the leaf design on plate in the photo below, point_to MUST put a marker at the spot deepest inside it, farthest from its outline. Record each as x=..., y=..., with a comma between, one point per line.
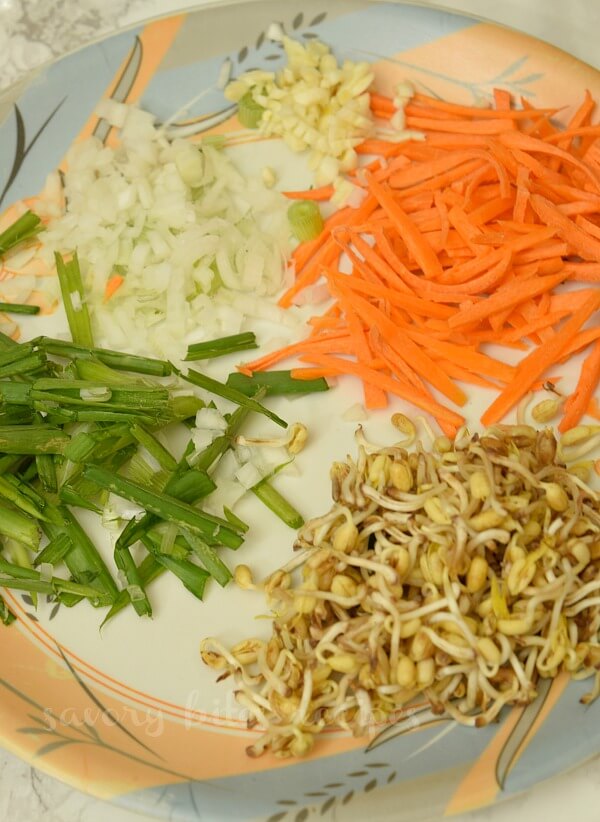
x=310, y=35
x=300, y=817
x=512, y=68
x=54, y=611
x=370, y=785
x=272, y=57
x=34, y=731
x=54, y=746
x=327, y=805
x=391, y=777
x=318, y=19
x=513, y=744
x=21, y=147
x=347, y=798
x=100, y=705
x=242, y=54
x=297, y=21
x=27, y=599
x=354, y=774
x=32, y=617
x=277, y=817
x=378, y=765
x=419, y=719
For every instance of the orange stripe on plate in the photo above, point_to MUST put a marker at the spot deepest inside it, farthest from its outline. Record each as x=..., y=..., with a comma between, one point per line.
x=479, y=786
x=156, y=39
x=554, y=694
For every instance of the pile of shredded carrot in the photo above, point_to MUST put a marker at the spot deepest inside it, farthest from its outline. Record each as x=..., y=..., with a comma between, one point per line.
x=462, y=240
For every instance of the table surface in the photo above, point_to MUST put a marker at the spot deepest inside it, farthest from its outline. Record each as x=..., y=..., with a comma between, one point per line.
x=33, y=32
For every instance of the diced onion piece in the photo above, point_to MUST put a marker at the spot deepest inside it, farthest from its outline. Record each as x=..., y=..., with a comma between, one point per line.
x=355, y=413
x=100, y=394
x=211, y=419
x=248, y=475
x=135, y=593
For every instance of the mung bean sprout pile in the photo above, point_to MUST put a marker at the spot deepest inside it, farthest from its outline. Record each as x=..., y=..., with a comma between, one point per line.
x=461, y=574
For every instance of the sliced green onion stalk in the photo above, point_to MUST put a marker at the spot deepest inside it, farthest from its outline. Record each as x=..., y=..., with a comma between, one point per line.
x=18, y=526
x=113, y=359
x=224, y=345
x=16, y=353
x=193, y=577
x=148, y=570
x=249, y=111
x=57, y=586
x=83, y=560
x=6, y=342
x=46, y=471
x=154, y=447
x=305, y=220
x=275, y=383
x=19, y=308
x=26, y=365
x=124, y=562
x=13, y=494
x=56, y=550
x=32, y=439
x=166, y=507
x=278, y=504
x=6, y=615
x=222, y=390
x=71, y=288
x=235, y=520
x=187, y=485
x=209, y=558
x=26, y=227
x=69, y=496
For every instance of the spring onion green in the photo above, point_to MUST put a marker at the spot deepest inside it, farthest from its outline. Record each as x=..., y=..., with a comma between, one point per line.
x=26, y=227
x=71, y=289
x=305, y=220
x=19, y=308
x=224, y=345
x=275, y=383
x=249, y=111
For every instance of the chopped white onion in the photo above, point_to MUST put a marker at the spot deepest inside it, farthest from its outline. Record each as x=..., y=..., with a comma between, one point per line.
x=355, y=413
x=180, y=221
x=211, y=419
x=248, y=475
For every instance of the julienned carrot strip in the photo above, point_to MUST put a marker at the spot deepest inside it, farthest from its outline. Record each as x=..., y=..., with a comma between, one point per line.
x=478, y=113
x=404, y=347
x=483, y=126
x=466, y=357
x=388, y=384
x=582, y=272
x=379, y=101
x=318, y=194
x=522, y=331
x=582, y=243
x=506, y=296
x=308, y=373
x=577, y=404
x=588, y=225
x=415, y=242
x=374, y=397
x=401, y=299
x=516, y=140
x=533, y=366
x=112, y=286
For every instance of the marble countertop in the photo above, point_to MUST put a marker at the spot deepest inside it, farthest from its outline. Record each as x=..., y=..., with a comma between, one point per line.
x=33, y=32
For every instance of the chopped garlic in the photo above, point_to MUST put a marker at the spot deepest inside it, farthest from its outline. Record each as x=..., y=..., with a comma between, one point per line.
x=313, y=103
